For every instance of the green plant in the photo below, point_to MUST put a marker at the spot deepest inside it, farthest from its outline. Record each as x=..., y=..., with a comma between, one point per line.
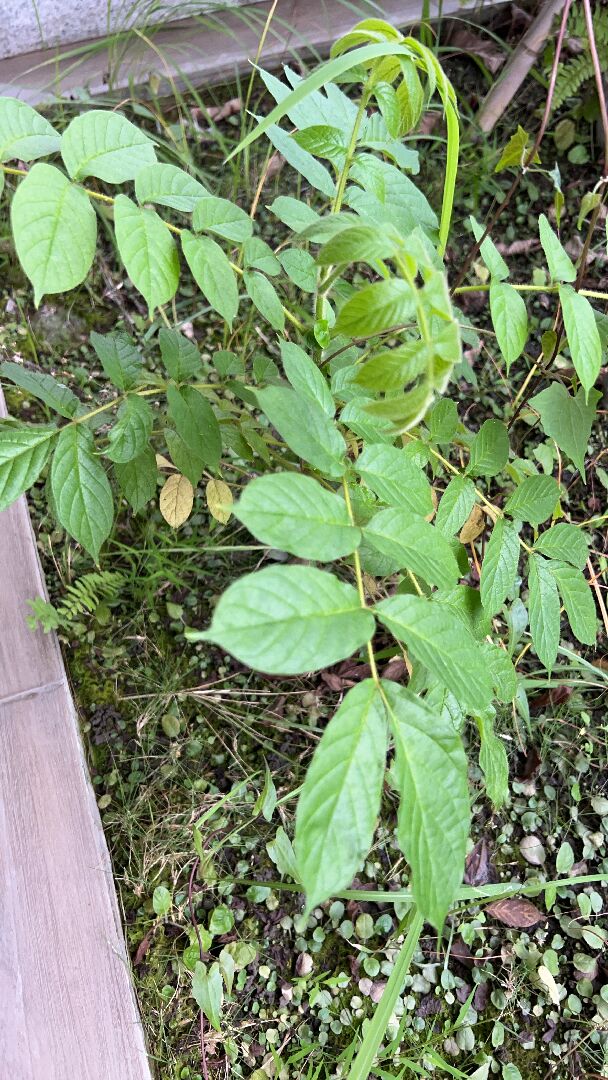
x=353, y=437
x=575, y=72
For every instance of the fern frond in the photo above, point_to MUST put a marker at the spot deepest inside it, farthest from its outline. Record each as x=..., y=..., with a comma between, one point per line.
x=84, y=595
x=572, y=75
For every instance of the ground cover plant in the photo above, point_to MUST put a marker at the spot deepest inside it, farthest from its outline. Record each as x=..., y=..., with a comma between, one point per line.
x=364, y=464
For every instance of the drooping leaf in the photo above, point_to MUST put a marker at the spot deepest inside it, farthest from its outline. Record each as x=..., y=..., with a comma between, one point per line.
x=176, y=500
x=81, y=490
x=578, y=601
x=509, y=319
x=129, y=436
x=306, y=429
x=433, y=823
x=180, y=355
x=286, y=620
x=196, y=423
x=376, y=308
x=43, y=386
x=438, y=639
x=499, y=568
x=504, y=676
x=222, y=217
x=567, y=419
x=147, y=250
x=455, y=505
x=187, y=460
x=24, y=133
x=411, y=543
x=295, y=513
x=208, y=992
x=490, y=253
x=340, y=798
x=219, y=500
x=489, y=450
x=265, y=298
x=583, y=336
x=395, y=478
x=305, y=376
x=24, y=452
x=534, y=500
x=543, y=605
x=137, y=479
x=493, y=763
x=105, y=144
x=120, y=359
x=213, y=274
x=166, y=185
x=566, y=543
x=55, y=230
x=561, y=267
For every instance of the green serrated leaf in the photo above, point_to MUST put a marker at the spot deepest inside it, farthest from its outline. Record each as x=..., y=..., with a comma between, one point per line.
x=295, y=513
x=196, y=423
x=180, y=355
x=43, y=386
x=340, y=798
x=376, y=308
x=24, y=133
x=433, y=822
x=543, y=606
x=306, y=377
x=186, y=460
x=213, y=274
x=289, y=620
x=493, y=763
x=322, y=140
x=395, y=478
x=438, y=639
x=578, y=601
x=222, y=217
x=148, y=251
x=393, y=369
x=567, y=419
x=265, y=298
x=359, y=243
x=306, y=429
x=24, y=452
x=509, y=319
x=566, y=543
x=137, y=479
x=534, y=500
x=130, y=434
x=81, y=491
x=499, y=568
x=489, y=450
x=55, y=230
x=455, y=505
x=411, y=543
x=105, y=144
x=166, y=185
x=504, y=676
x=583, y=336
x=561, y=267
x=120, y=358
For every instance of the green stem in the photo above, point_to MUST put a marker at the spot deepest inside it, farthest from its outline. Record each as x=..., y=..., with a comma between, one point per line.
x=374, y=1033
x=593, y=293
x=360, y=585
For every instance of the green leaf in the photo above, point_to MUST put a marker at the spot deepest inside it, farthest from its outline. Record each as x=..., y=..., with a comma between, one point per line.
x=306, y=429
x=489, y=450
x=294, y=513
x=395, y=478
x=131, y=432
x=442, y=420
x=81, y=491
x=566, y=543
x=213, y=274
x=44, y=387
x=516, y=151
x=340, y=798
x=208, y=992
x=583, y=336
x=166, y=185
x=490, y=253
x=534, y=500
x=322, y=140
x=306, y=377
x=413, y=544
x=148, y=251
x=578, y=601
x=567, y=419
x=499, y=568
x=393, y=369
x=161, y=900
x=434, y=815
x=389, y=106
x=258, y=254
x=561, y=267
x=264, y=297
x=438, y=639
x=196, y=423
x=137, y=479
x=287, y=620
x=55, y=230
x=376, y=308
x=504, y=676
x=120, y=359
x=294, y=213
x=280, y=850
x=543, y=606
x=105, y=144
x=300, y=268
x=23, y=454
x=509, y=319
x=493, y=763
x=186, y=460
x=180, y=355
x=24, y=133
x=303, y=162
x=359, y=243
x=455, y=505
x=222, y=217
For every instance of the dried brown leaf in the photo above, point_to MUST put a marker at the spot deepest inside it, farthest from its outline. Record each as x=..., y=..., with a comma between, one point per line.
x=518, y=913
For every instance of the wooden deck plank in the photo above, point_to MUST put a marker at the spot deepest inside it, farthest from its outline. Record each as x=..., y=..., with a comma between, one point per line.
x=68, y=1006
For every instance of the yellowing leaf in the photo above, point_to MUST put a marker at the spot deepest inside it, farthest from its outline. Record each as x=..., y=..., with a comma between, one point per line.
x=163, y=462
x=176, y=500
x=549, y=984
x=219, y=500
x=473, y=526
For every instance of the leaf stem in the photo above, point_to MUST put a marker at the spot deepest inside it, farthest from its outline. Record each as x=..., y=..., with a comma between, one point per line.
x=592, y=293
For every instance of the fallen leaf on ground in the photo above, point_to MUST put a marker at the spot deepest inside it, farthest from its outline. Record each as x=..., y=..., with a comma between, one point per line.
x=468, y=42
x=516, y=913
x=478, y=869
